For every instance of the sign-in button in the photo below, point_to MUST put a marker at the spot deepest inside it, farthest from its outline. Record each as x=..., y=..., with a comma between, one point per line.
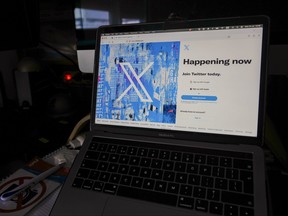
x=199, y=97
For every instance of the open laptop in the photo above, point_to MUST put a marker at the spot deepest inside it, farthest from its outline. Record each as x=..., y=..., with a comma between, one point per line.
x=176, y=121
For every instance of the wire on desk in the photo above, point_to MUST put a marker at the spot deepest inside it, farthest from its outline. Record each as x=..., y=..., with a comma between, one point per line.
x=78, y=128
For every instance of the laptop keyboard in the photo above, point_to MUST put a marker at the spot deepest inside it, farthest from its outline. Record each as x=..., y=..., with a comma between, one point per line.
x=218, y=182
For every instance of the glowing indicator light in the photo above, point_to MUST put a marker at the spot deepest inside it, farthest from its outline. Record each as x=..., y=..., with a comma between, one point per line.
x=67, y=77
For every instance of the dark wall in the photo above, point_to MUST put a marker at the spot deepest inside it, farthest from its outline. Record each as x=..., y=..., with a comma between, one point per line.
x=202, y=9
x=19, y=23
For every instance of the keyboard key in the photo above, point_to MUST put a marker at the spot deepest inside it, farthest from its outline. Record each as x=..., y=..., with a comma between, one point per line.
x=225, y=162
x=157, y=174
x=94, y=175
x=115, y=178
x=242, y=164
x=78, y=182
x=87, y=184
x=213, y=194
x=246, y=176
x=186, y=190
x=148, y=184
x=187, y=158
x=124, y=159
x=180, y=167
x=160, y=186
x=207, y=181
x=164, y=155
x=137, y=182
x=181, y=178
x=205, y=170
x=201, y=205
x=212, y=160
x=168, y=165
x=114, y=158
x=186, y=202
x=122, y=149
x=134, y=161
x=104, y=176
x=173, y=188
x=103, y=166
x=92, y=155
x=134, y=171
x=235, y=186
x=221, y=183
x=103, y=156
x=232, y=173
x=112, y=148
x=110, y=188
x=113, y=167
x=123, y=169
x=216, y=208
x=102, y=147
x=246, y=211
x=125, y=180
x=200, y=159
x=218, y=172
x=231, y=210
x=145, y=162
x=153, y=153
x=83, y=173
x=142, y=152
x=176, y=156
x=145, y=172
x=192, y=168
x=199, y=192
x=93, y=146
x=169, y=176
x=89, y=164
x=132, y=150
x=237, y=198
x=156, y=164
x=194, y=179
x=158, y=197
x=98, y=186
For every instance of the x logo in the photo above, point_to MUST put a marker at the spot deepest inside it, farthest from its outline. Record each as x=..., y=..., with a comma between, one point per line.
x=132, y=85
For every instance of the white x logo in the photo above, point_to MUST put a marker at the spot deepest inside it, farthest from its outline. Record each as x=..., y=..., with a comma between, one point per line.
x=123, y=64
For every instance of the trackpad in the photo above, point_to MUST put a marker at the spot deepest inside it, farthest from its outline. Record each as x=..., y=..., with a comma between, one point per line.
x=122, y=206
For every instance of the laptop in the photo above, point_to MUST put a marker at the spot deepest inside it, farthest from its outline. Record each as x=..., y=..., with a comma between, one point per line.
x=176, y=121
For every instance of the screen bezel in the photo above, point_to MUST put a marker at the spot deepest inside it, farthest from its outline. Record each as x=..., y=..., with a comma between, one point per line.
x=197, y=136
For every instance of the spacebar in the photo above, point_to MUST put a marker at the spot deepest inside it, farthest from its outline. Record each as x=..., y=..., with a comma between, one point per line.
x=146, y=195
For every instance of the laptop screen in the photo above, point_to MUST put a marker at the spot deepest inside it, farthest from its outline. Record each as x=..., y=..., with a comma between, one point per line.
x=202, y=79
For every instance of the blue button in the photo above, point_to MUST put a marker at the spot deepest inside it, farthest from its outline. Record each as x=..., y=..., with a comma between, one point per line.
x=199, y=97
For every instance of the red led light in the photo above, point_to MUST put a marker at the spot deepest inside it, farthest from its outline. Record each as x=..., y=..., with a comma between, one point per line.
x=67, y=77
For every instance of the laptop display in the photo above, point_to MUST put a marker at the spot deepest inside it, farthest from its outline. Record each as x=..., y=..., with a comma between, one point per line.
x=194, y=79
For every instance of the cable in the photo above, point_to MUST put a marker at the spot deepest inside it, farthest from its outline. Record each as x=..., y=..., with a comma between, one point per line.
x=78, y=127
x=59, y=52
